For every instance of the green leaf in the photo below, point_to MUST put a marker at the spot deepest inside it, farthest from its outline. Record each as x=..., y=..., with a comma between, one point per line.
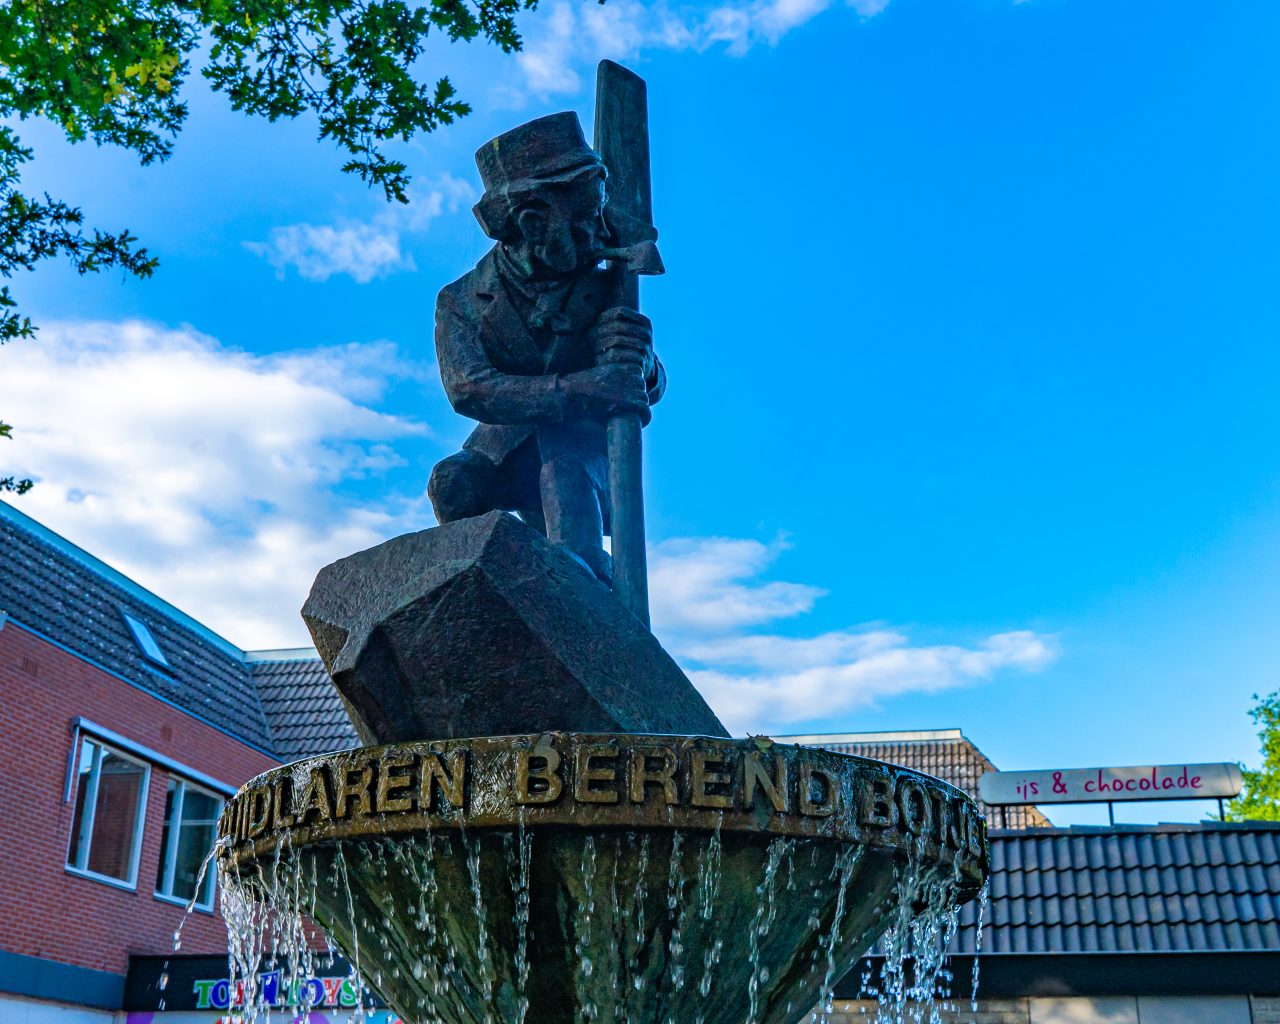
x=1260, y=799
x=112, y=71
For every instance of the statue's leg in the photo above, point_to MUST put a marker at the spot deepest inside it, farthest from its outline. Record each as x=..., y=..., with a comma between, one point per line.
x=464, y=485
x=471, y=484
x=521, y=486
x=572, y=509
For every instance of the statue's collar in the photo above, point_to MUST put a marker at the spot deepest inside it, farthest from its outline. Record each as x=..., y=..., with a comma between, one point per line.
x=497, y=271
x=485, y=280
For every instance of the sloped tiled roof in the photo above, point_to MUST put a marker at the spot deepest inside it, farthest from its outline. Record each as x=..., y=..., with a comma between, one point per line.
x=306, y=715
x=49, y=585
x=946, y=754
x=1210, y=887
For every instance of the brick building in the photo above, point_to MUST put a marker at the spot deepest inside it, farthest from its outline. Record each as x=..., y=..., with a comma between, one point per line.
x=126, y=722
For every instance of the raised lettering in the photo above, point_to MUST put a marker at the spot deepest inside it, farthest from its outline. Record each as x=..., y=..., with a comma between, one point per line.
x=355, y=782
x=585, y=773
x=280, y=817
x=644, y=774
x=947, y=823
x=975, y=832
x=702, y=779
x=260, y=814
x=817, y=791
x=775, y=789
x=538, y=775
x=395, y=785
x=315, y=798
x=451, y=784
x=915, y=810
x=876, y=805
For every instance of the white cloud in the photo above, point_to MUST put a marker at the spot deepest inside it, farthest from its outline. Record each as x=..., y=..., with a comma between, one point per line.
x=223, y=480
x=363, y=250
x=319, y=251
x=565, y=40
x=836, y=673
x=706, y=584
x=212, y=476
x=708, y=595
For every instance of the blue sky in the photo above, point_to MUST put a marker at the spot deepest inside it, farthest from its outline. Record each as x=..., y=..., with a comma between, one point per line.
x=971, y=327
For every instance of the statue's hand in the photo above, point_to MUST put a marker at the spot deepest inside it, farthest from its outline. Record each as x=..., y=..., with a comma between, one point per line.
x=615, y=389
x=623, y=335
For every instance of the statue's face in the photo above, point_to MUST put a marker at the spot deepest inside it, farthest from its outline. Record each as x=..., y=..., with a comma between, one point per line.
x=565, y=227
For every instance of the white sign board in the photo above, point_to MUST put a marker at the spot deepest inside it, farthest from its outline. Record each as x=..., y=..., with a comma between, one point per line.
x=1103, y=785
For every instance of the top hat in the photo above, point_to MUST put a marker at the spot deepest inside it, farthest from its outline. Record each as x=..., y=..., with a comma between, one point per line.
x=547, y=149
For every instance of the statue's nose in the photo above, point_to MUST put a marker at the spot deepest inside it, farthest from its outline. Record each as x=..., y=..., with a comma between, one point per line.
x=641, y=258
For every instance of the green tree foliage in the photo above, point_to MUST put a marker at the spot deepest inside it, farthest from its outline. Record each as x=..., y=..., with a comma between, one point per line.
x=112, y=71
x=1260, y=800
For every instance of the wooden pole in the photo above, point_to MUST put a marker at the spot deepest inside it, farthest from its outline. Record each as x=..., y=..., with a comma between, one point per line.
x=622, y=140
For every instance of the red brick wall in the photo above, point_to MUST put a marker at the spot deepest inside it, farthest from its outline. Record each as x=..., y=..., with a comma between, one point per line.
x=44, y=911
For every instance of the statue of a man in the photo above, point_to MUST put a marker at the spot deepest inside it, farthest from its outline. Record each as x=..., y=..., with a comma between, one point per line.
x=536, y=344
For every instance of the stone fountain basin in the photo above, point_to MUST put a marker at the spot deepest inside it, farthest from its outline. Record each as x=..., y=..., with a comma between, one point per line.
x=574, y=877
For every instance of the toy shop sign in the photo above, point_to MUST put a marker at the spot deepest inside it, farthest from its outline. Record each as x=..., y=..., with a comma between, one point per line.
x=1105, y=785
x=200, y=983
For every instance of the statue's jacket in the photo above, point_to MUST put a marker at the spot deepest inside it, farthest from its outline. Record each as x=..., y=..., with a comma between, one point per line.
x=495, y=371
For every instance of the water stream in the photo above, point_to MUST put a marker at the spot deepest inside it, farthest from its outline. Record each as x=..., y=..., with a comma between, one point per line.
x=453, y=927
x=914, y=983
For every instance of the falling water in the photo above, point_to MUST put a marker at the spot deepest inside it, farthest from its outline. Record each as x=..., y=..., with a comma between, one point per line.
x=765, y=910
x=454, y=921
x=924, y=920
x=639, y=940
x=583, y=948
x=706, y=889
x=675, y=900
x=520, y=886
x=483, y=954
x=340, y=866
x=983, y=896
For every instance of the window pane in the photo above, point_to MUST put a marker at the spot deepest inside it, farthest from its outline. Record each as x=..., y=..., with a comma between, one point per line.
x=146, y=642
x=115, y=817
x=170, y=795
x=199, y=820
x=187, y=842
x=79, y=851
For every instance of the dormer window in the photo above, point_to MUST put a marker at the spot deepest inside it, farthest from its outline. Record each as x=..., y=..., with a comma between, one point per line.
x=145, y=641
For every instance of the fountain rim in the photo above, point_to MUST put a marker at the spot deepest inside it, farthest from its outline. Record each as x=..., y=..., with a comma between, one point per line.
x=475, y=784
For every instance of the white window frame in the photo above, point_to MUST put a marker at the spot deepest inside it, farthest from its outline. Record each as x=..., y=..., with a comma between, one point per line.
x=181, y=785
x=79, y=846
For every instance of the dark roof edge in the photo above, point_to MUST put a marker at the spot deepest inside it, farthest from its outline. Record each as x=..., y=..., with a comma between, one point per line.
x=1164, y=826
x=119, y=579
x=1094, y=954
x=145, y=689
x=890, y=736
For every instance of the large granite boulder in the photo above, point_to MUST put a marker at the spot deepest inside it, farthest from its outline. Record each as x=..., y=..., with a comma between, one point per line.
x=484, y=628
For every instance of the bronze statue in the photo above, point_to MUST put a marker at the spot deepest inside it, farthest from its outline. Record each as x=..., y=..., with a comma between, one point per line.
x=528, y=744
x=542, y=344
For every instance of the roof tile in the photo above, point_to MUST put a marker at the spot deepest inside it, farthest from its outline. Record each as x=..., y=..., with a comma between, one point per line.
x=1168, y=888
x=72, y=601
